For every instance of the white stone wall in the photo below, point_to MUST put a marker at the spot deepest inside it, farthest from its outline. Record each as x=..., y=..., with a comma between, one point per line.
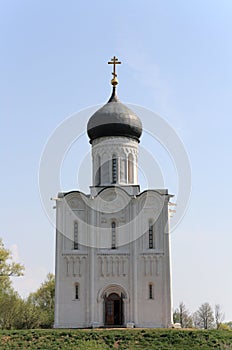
x=127, y=270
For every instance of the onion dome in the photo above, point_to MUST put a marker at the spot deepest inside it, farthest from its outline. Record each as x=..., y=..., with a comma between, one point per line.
x=114, y=119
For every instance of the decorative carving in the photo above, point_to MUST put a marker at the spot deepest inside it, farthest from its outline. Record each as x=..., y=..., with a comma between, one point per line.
x=151, y=264
x=74, y=265
x=112, y=265
x=103, y=220
x=73, y=203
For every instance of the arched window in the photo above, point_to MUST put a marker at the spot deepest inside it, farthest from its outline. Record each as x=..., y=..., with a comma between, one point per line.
x=114, y=169
x=98, y=171
x=75, y=235
x=130, y=169
x=77, y=291
x=151, y=236
x=150, y=291
x=123, y=170
x=113, y=235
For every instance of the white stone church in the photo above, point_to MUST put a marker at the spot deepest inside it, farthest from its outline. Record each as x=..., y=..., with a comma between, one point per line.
x=113, y=244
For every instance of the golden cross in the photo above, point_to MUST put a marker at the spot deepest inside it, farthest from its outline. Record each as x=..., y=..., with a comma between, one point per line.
x=114, y=61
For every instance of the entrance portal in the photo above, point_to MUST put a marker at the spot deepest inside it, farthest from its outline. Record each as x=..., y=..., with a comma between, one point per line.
x=113, y=310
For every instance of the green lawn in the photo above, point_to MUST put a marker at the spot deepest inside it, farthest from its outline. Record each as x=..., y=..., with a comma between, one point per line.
x=130, y=339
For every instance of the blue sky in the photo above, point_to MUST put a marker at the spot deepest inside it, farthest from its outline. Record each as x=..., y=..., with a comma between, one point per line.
x=176, y=62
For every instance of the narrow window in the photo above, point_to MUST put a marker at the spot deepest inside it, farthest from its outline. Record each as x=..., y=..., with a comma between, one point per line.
x=98, y=172
x=151, y=236
x=123, y=170
x=75, y=245
x=151, y=291
x=76, y=291
x=130, y=169
x=114, y=169
x=113, y=233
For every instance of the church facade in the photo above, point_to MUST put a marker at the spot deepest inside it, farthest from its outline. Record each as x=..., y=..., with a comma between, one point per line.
x=113, y=244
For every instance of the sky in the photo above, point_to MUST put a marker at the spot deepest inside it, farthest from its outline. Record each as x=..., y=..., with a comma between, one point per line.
x=176, y=62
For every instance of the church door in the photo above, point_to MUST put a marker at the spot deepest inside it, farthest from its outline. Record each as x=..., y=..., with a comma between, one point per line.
x=113, y=310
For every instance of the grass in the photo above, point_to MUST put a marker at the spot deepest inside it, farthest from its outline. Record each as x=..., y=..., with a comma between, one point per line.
x=127, y=339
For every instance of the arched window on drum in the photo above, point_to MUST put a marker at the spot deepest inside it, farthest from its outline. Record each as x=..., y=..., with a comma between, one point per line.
x=151, y=235
x=130, y=169
x=98, y=171
x=113, y=235
x=75, y=235
x=114, y=169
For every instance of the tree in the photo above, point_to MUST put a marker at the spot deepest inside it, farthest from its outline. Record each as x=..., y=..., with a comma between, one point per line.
x=229, y=324
x=9, y=299
x=181, y=315
x=44, y=299
x=203, y=318
x=28, y=317
x=8, y=268
x=218, y=314
x=9, y=308
x=36, y=311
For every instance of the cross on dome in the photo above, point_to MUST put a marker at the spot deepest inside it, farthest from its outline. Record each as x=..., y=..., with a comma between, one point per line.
x=114, y=61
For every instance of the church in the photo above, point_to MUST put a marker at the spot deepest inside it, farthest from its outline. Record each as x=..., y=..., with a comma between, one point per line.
x=113, y=265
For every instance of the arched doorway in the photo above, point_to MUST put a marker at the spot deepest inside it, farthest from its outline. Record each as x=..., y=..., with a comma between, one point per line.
x=113, y=310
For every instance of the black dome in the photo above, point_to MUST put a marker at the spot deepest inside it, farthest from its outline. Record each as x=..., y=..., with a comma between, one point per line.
x=114, y=119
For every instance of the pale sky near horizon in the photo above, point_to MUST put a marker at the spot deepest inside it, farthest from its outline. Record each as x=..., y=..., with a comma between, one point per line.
x=176, y=61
